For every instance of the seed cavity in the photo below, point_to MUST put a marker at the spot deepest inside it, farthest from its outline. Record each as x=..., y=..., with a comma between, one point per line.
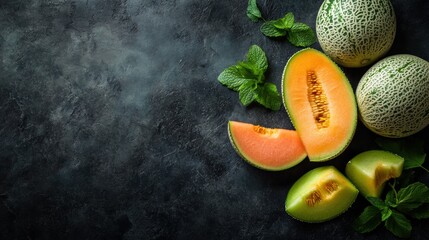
x=318, y=100
x=331, y=186
x=382, y=175
x=322, y=192
x=264, y=131
x=314, y=198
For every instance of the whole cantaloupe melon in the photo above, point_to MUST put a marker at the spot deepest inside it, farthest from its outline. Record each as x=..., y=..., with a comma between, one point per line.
x=356, y=33
x=393, y=96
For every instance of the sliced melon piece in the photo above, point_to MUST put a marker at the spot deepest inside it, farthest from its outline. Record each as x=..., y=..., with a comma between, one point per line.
x=266, y=148
x=320, y=195
x=369, y=171
x=320, y=102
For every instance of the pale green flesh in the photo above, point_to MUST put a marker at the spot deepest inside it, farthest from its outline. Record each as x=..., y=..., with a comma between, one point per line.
x=331, y=205
x=361, y=170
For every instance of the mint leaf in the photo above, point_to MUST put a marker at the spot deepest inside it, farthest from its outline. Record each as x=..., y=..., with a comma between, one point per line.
x=377, y=202
x=421, y=212
x=250, y=71
x=247, y=92
x=368, y=220
x=398, y=224
x=390, y=199
x=279, y=27
x=286, y=22
x=253, y=11
x=386, y=213
x=412, y=197
x=269, y=29
x=269, y=97
x=279, y=24
x=233, y=78
x=256, y=56
x=301, y=35
x=411, y=149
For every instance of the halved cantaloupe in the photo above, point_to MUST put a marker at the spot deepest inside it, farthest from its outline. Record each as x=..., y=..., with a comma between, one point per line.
x=266, y=148
x=320, y=102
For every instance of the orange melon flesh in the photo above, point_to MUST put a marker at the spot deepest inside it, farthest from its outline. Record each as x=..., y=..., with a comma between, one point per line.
x=322, y=141
x=266, y=148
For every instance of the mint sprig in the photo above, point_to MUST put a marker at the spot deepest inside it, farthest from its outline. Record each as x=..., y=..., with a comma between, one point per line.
x=412, y=201
x=248, y=79
x=298, y=34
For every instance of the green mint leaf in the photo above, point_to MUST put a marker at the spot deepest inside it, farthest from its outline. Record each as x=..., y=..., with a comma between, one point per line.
x=233, y=78
x=279, y=24
x=301, y=35
x=390, y=199
x=398, y=224
x=377, y=202
x=368, y=220
x=411, y=149
x=247, y=92
x=385, y=213
x=412, y=197
x=253, y=11
x=286, y=22
x=257, y=57
x=421, y=212
x=270, y=30
x=250, y=71
x=269, y=97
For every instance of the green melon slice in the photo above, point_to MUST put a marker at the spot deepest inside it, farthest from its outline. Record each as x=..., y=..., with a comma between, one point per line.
x=266, y=148
x=370, y=170
x=320, y=195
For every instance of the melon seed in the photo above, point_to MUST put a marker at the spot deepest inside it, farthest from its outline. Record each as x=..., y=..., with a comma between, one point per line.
x=318, y=100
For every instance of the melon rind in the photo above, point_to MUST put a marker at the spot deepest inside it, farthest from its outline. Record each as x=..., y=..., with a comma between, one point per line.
x=356, y=33
x=341, y=147
x=242, y=154
x=393, y=96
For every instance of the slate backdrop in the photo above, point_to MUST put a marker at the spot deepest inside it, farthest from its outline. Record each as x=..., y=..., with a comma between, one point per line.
x=113, y=124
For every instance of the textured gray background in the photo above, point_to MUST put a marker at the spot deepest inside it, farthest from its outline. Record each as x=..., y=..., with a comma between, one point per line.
x=113, y=124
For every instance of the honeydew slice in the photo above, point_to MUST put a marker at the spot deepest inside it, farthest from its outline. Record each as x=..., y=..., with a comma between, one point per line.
x=320, y=195
x=369, y=171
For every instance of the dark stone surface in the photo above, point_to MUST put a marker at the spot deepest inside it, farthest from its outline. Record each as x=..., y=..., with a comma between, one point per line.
x=113, y=124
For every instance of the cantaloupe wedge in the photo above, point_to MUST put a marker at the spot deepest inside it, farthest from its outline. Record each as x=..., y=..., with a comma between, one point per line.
x=266, y=148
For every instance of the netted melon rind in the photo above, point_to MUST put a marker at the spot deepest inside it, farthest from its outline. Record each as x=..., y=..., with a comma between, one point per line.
x=393, y=96
x=356, y=33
